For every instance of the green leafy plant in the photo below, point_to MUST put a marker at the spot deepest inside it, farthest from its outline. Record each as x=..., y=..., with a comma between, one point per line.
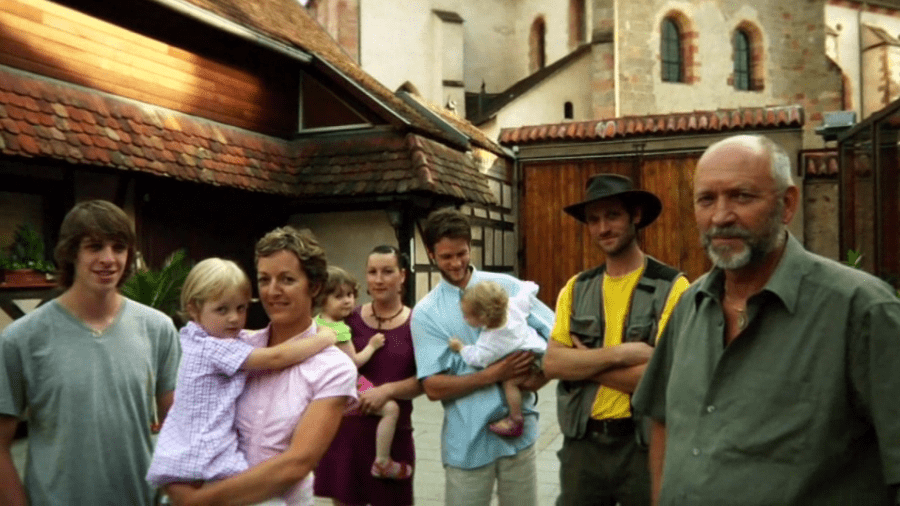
x=161, y=289
x=26, y=251
x=854, y=259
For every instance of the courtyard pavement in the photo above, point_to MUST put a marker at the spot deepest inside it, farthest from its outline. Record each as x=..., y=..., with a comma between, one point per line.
x=429, y=474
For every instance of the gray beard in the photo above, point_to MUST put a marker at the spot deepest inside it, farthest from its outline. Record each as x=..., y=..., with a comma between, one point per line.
x=755, y=247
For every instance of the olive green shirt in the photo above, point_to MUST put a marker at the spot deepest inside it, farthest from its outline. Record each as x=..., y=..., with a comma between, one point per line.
x=803, y=407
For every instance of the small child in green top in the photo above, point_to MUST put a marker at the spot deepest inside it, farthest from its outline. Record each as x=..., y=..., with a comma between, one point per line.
x=337, y=300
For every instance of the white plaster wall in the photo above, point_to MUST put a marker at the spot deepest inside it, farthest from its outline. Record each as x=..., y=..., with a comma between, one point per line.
x=543, y=104
x=348, y=237
x=404, y=41
x=397, y=42
x=846, y=22
x=714, y=55
x=496, y=38
x=452, y=49
x=495, y=51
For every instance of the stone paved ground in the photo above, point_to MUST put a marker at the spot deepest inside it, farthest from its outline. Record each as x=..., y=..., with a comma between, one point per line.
x=429, y=476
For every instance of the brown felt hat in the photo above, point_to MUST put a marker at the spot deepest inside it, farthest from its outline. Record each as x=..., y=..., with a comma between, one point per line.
x=604, y=186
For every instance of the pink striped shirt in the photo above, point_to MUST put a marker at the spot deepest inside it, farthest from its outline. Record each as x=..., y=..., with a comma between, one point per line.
x=273, y=403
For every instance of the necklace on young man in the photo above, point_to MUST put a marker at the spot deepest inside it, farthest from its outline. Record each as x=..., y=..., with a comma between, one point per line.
x=382, y=320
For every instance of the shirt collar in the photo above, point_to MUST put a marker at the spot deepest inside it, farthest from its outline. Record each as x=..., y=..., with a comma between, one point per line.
x=783, y=283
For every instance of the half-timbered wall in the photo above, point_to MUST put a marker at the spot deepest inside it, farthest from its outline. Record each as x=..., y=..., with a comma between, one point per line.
x=495, y=243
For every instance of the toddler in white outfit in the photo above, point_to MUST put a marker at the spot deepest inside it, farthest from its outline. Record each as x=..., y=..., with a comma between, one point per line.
x=504, y=330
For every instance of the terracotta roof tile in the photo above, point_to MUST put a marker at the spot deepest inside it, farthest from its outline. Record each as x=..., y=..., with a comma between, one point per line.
x=289, y=22
x=697, y=121
x=100, y=129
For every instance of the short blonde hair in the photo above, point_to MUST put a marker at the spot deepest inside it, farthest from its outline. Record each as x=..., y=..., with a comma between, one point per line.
x=337, y=278
x=488, y=301
x=209, y=280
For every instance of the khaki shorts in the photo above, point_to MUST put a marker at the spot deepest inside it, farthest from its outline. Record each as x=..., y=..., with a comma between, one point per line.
x=516, y=478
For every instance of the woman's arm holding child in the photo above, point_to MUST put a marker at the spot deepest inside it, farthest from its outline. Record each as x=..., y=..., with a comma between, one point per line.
x=278, y=474
x=373, y=399
x=290, y=352
x=362, y=356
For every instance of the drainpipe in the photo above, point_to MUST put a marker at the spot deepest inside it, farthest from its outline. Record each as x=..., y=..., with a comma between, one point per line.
x=617, y=35
x=859, y=45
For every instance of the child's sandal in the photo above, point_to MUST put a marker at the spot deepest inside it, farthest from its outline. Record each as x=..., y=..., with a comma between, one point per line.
x=392, y=470
x=508, y=427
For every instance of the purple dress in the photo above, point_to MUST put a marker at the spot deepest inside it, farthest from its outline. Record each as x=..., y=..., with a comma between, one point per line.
x=344, y=471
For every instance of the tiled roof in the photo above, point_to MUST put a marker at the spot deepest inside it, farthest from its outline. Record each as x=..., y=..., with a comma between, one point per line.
x=288, y=21
x=404, y=165
x=475, y=135
x=664, y=124
x=48, y=119
x=500, y=100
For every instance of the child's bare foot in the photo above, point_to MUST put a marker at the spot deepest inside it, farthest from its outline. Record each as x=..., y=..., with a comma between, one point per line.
x=508, y=427
x=391, y=470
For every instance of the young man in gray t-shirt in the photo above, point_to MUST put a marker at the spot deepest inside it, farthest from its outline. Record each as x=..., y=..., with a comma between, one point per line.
x=90, y=367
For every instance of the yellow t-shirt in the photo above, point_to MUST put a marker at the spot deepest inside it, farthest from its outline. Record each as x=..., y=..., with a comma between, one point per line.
x=617, y=291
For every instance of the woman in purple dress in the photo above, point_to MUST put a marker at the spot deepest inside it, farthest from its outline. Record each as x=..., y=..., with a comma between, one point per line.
x=344, y=473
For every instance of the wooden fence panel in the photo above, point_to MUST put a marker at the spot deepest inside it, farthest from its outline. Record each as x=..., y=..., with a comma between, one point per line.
x=556, y=246
x=673, y=237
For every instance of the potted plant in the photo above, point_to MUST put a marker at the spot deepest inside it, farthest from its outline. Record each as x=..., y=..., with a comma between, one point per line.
x=161, y=289
x=23, y=262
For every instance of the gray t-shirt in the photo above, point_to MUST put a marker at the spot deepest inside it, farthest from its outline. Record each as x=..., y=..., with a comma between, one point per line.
x=90, y=401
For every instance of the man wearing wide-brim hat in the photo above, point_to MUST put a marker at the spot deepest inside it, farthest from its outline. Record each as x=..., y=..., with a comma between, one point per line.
x=607, y=322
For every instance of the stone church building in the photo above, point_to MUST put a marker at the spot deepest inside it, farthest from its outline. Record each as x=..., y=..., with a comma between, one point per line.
x=637, y=88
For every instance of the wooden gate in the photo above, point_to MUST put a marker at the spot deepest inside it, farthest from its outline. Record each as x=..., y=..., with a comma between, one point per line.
x=556, y=246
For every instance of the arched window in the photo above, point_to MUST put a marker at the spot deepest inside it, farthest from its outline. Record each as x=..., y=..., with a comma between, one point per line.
x=671, y=51
x=742, y=61
x=568, y=110
x=536, y=44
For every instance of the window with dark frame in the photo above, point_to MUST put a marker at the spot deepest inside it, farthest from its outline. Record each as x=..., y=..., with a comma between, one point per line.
x=568, y=110
x=741, y=60
x=672, y=63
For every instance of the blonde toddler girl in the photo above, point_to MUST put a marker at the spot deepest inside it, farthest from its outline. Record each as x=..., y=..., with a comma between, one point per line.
x=198, y=441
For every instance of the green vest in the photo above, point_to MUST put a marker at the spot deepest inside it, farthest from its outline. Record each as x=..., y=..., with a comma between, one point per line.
x=575, y=399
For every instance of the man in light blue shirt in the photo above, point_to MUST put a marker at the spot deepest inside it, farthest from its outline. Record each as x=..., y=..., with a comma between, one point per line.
x=473, y=456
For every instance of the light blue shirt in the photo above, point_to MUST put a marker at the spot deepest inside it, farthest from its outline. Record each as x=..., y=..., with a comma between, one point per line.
x=466, y=441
